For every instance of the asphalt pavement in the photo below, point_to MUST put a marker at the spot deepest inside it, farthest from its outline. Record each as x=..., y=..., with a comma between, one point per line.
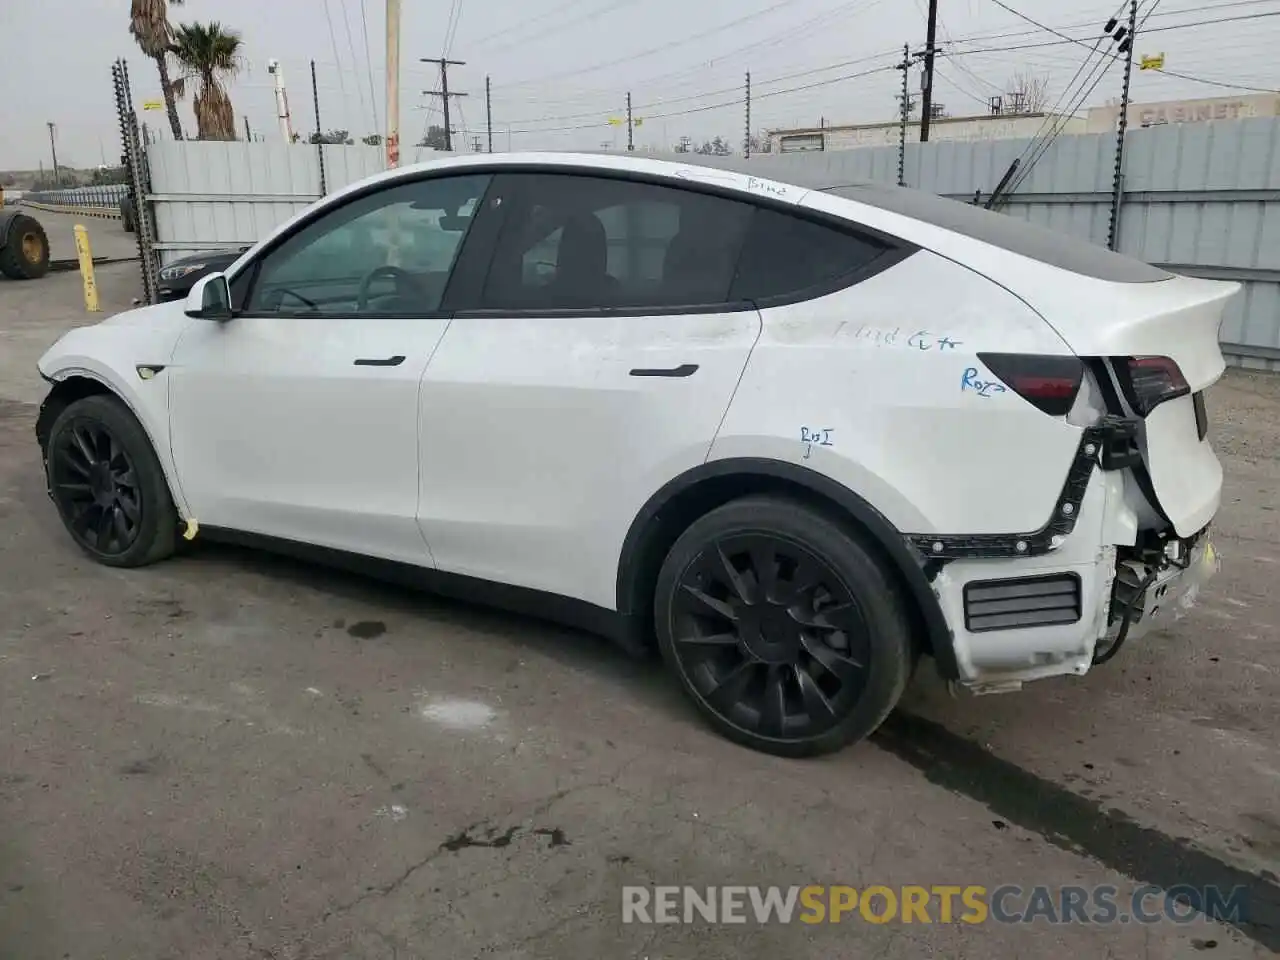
x=235, y=755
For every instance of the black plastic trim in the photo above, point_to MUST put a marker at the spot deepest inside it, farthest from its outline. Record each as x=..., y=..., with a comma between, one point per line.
x=1202, y=414
x=975, y=546
x=1029, y=615
x=684, y=370
x=905, y=559
x=533, y=603
x=380, y=361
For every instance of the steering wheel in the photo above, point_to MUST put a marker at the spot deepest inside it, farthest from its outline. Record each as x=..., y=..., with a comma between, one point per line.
x=395, y=273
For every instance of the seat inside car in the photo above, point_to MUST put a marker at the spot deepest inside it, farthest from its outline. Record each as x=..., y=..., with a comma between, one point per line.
x=582, y=262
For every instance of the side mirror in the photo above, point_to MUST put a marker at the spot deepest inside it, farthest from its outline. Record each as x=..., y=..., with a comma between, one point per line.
x=210, y=299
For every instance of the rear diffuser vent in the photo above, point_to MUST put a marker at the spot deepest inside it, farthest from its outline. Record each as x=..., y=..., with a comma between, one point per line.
x=1021, y=603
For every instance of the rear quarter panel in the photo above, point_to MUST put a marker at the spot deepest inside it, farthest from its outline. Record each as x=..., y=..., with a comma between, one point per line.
x=878, y=386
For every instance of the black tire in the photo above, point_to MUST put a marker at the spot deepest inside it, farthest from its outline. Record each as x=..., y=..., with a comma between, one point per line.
x=835, y=623
x=24, y=252
x=99, y=464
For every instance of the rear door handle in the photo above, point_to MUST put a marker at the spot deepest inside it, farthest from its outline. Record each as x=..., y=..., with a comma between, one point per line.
x=684, y=370
x=380, y=361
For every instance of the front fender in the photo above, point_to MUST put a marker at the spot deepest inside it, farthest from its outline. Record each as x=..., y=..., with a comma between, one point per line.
x=111, y=356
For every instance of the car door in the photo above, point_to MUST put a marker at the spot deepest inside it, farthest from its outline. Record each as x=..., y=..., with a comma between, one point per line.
x=298, y=418
x=597, y=364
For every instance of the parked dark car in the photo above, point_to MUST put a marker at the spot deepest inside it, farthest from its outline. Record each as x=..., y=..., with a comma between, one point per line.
x=178, y=276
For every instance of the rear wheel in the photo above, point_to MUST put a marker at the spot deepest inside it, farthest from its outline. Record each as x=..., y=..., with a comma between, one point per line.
x=108, y=485
x=782, y=627
x=24, y=254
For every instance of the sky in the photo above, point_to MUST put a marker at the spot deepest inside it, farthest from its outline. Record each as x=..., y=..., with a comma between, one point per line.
x=560, y=70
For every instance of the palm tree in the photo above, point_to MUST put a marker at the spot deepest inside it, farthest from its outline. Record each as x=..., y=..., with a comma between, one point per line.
x=206, y=51
x=149, y=24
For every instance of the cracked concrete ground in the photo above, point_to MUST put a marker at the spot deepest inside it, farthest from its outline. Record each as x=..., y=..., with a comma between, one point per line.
x=233, y=755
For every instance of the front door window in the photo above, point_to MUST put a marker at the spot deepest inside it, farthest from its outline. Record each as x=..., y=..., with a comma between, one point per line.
x=388, y=253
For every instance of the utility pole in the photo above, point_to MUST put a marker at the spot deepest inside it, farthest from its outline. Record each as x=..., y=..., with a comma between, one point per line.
x=926, y=99
x=1117, y=184
x=630, y=141
x=53, y=148
x=905, y=67
x=247, y=135
x=746, y=143
x=488, y=111
x=282, y=100
x=393, y=84
x=444, y=94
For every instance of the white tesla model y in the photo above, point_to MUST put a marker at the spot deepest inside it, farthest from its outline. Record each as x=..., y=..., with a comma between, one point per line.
x=793, y=435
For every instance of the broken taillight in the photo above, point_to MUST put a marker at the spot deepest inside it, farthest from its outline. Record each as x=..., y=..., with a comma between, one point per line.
x=1150, y=381
x=1048, y=382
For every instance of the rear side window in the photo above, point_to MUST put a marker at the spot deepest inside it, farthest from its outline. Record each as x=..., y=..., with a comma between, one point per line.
x=785, y=256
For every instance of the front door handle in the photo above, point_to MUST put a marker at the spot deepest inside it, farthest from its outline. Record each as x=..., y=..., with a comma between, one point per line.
x=684, y=370
x=380, y=361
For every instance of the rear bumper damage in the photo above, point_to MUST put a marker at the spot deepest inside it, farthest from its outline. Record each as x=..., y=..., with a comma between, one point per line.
x=1063, y=599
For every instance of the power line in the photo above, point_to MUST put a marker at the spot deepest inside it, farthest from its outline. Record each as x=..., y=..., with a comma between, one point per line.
x=714, y=93
x=517, y=27
x=1162, y=29
x=662, y=48
x=1202, y=8
x=333, y=40
x=556, y=28
x=451, y=28
x=368, y=64
x=717, y=106
x=1055, y=120
x=1216, y=83
x=729, y=58
x=351, y=47
x=968, y=93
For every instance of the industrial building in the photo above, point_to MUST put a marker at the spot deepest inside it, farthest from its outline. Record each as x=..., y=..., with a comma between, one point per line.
x=1000, y=124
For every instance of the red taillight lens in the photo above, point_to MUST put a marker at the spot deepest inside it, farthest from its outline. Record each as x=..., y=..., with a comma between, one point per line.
x=1150, y=381
x=1050, y=383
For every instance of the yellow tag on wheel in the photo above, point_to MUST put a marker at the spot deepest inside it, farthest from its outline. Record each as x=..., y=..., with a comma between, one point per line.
x=193, y=527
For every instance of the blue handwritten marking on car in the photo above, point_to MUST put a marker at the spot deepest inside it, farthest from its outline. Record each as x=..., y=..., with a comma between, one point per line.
x=983, y=388
x=924, y=340
x=811, y=435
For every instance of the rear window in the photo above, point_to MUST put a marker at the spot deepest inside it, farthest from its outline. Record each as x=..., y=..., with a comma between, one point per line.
x=785, y=255
x=1004, y=231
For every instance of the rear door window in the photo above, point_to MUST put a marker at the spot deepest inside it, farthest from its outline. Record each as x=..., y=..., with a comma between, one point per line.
x=579, y=243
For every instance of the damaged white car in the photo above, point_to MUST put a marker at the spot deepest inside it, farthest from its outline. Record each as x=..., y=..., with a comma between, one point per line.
x=793, y=434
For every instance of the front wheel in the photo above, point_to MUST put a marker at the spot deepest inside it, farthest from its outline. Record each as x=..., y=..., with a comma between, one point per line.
x=108, y=485
x=785, y=630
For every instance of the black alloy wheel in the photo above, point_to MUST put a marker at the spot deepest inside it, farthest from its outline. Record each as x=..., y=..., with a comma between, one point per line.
x=96, y=488
x=786, y=632
x=107, y=484
x=770, y=636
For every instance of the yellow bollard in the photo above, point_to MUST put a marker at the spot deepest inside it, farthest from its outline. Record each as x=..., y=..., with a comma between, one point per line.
x=86, y=270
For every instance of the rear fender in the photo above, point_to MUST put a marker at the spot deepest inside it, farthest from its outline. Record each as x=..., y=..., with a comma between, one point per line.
x=752, y=474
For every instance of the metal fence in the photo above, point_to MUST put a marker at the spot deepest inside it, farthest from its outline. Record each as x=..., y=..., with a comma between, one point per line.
x=211, y=195
x=1201, y=199
x=77, y=199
